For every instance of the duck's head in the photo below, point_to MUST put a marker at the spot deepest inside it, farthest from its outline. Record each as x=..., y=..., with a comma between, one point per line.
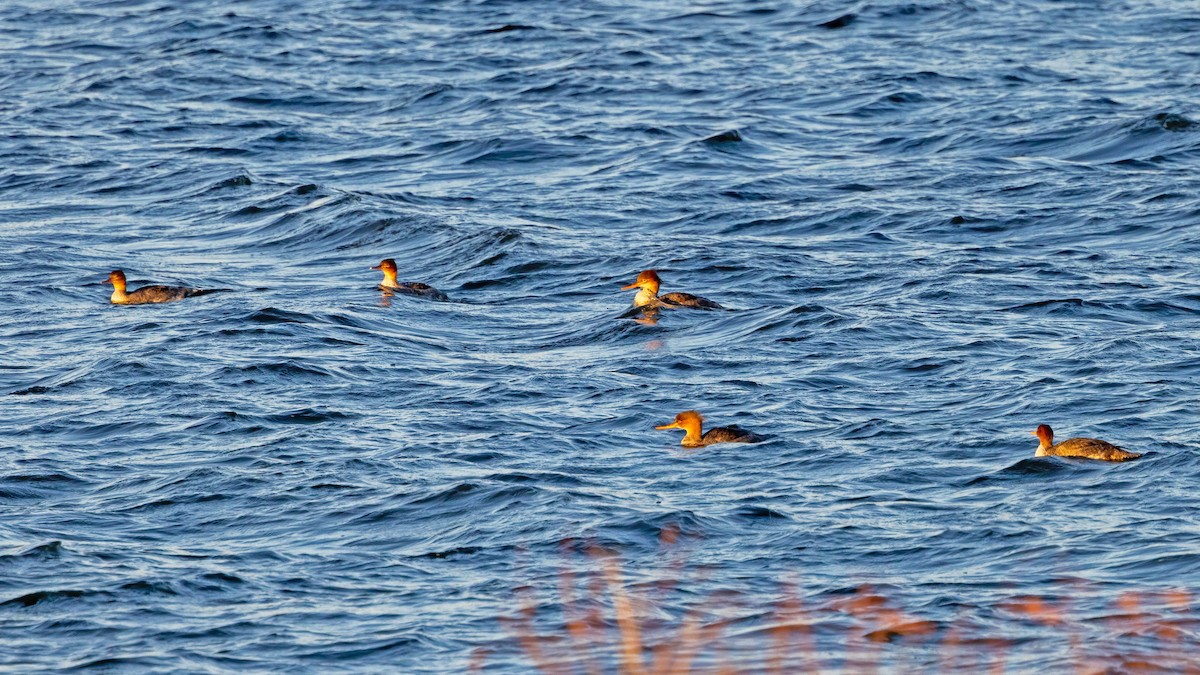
x=648, y=280
x=387, y=266
x=116, y=278
x=1044, y=433
x=686, y=420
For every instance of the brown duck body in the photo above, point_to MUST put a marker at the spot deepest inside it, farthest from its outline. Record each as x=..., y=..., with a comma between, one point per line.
x=1091, y=448
x=416, y=288
x=734, y=434
x=687, y=300
x=1087, y=448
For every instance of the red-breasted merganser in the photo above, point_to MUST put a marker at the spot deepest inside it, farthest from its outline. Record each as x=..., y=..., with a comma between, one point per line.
x=647, y=284
x=150, y=294
x=388, y=267
x=1089, y=448
x=692, y=422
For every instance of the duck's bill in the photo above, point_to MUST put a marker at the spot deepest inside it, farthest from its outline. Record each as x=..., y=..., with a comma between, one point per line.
x=630, y=287
x=672, y=425
x=376, y=267
x=1033, y=433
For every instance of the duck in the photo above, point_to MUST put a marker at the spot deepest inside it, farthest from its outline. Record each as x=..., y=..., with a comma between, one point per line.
x=150, y=294
x=389, y=283
x=692, y=422
x=647, y=284
x=1089, y=448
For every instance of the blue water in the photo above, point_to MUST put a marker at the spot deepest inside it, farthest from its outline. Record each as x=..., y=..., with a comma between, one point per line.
x=936, y=225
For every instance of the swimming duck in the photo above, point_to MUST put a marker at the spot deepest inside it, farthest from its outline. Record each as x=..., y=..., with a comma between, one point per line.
x=647, y=284
x=149, y=294
x=692, y=422
x=388, y=267
x=1090, y=448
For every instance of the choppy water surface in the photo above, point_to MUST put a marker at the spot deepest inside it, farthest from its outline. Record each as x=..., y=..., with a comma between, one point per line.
x=936, y=225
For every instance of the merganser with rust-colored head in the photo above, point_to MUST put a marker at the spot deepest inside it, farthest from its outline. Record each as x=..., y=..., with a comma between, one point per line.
x=647, y=284
x=150, y=294
x=389, y=283
x=692, y=422
x=1089, y=448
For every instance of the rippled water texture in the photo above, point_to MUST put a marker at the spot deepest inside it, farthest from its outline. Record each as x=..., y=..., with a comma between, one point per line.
x=935, y=225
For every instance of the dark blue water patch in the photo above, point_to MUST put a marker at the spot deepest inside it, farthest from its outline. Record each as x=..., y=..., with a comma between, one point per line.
x=1049, y=306
x=1117, y=141
x=839, y=22
x=753, y=513
x=731, y=136
x=1168, y=122
x=37, y=485
x=271, y=315
x=237, y=181
x=507, y=28
x=1037, y=468
x=36, y=597
x=48, y=551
